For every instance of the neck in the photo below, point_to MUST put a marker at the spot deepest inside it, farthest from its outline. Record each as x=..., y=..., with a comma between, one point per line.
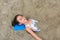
x=28, y=22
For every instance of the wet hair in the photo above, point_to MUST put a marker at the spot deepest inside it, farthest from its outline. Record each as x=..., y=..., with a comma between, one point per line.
x=14, y=21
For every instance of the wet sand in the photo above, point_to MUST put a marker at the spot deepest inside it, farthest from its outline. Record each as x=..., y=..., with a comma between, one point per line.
x=47, y=12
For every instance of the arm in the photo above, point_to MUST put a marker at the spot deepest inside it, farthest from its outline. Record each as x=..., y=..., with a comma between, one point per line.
x=33, y=34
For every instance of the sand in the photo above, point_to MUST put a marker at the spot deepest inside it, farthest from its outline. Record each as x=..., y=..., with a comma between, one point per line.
x=47, y=12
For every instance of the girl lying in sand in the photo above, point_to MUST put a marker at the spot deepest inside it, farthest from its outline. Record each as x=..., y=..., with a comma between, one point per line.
x=22, y=23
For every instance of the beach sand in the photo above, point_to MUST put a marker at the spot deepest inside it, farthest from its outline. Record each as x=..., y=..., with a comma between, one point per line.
x=47, y=12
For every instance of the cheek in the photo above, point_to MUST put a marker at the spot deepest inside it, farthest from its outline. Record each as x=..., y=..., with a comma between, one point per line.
x=22, y=21
x=18, y=21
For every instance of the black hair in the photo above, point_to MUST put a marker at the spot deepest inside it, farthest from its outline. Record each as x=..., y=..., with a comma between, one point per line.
x=14, y=21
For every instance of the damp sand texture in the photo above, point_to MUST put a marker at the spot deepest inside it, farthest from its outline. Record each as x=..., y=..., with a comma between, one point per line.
x=47, y=12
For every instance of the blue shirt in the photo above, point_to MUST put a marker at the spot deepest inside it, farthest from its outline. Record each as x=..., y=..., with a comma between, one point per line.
x=18, y=27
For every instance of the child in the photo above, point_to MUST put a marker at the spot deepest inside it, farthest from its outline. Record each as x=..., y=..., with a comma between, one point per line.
x=22, y=23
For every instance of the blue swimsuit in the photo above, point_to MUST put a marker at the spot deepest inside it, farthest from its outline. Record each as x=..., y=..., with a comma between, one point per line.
x=18, y=27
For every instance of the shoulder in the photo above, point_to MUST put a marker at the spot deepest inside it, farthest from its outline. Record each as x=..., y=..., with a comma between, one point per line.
x=15, y=25
x=19, y=27
x=33, y=20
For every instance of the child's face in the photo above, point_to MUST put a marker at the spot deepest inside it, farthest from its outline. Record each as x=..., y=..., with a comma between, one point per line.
x=21, y=19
